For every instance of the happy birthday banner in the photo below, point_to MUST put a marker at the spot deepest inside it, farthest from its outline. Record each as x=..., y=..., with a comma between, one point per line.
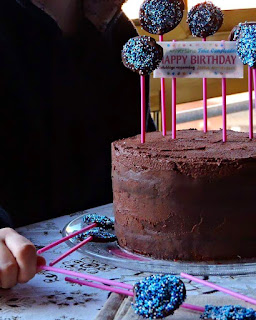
x=210, y=59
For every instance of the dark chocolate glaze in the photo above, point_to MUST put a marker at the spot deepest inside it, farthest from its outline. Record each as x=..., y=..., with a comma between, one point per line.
x=190, y=199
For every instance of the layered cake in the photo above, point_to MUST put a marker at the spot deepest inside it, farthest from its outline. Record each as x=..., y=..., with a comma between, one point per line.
x=189, y=199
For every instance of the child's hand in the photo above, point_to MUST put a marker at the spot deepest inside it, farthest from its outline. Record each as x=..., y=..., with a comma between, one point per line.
x=18, y=259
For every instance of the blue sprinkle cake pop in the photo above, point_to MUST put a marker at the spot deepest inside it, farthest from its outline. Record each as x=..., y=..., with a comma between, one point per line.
x=228, y=313
x=160, y=16
x=98, y=234
x=204, y=19
x=158, y=296
x=246, y=45
x=142, y=54
x=102, y=221
x=237, y=30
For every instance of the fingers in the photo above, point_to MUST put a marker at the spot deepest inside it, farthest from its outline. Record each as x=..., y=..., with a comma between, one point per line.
x=25, y=254
x=8, y=267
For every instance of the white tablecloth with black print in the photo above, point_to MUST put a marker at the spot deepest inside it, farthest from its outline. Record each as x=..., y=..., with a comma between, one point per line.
x=49, y=297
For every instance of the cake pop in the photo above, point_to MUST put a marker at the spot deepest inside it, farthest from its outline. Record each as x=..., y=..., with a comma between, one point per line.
x=228, y=313
x=98, y=235
x=246, y=45
x=158, y=296
x=142, y=54
x=204, y=19
x=102, y=221
x=160, y=16
x=235, y=32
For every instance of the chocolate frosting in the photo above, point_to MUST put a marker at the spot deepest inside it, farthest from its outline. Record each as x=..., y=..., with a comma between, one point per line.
x=191, y=199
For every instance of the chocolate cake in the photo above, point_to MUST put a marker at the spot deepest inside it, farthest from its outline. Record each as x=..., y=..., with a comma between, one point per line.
x=189, y=199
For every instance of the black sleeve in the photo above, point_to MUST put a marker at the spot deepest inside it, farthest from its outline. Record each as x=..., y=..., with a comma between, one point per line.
x=120, y=30
x=5, y=220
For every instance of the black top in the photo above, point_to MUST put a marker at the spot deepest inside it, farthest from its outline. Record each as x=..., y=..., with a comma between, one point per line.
x=62, y=102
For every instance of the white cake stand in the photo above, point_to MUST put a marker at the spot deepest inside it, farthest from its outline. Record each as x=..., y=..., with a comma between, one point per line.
x=111, y=253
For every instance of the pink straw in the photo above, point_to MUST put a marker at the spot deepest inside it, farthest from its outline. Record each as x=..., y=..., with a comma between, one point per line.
x=174, y=107
x=250, y=102
x=216, y=287
x=125, y=292
x=85, y=276
x=54, y=244
x=254, y=81
x=100, y=286
x=163, y=102
x=205, y=99
x=143, y=108
x=76, y=247
x=224, y=109
x=224, y=106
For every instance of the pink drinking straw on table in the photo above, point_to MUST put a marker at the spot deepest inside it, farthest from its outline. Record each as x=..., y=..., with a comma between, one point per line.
x=216, y=287
x=125, y=292
x=76, y=247
x=250, y=102
x=224, y=106
x=143, y=108
x=174, y=107
x=205, y=99
x=54, y=244
x=163, y=101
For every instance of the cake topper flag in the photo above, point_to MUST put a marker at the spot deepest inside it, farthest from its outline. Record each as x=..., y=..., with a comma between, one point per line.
x=142, y=55
x=160, y=17
x=204, y=19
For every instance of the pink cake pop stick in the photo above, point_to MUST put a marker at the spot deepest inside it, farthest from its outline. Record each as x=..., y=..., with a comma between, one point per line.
x=224, y=106
x=254, y=82
x=100, y=286
x=163, y=102
x=174, y=107
x=143, y=108
x=54, y=244
x=250, y=102
x=76, y=247
x=216, y=287
x=224, y=109
x=85, y=276
x=205, y=99
x=125, y=292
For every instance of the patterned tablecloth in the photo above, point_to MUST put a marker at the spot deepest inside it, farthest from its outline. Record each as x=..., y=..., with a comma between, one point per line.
x=49, y=297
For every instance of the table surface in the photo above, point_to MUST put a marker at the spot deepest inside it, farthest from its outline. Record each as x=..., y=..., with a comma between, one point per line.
x=48, y=296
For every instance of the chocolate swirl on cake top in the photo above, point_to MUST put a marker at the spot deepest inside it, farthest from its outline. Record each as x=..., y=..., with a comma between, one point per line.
x=160, y=16
x=142, y=54
x=204, y=19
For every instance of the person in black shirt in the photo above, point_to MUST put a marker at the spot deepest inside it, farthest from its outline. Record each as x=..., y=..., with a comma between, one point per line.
x=64, y=97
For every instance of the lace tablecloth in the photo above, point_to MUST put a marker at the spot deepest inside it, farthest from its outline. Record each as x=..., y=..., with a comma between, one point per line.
x=49, y=297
